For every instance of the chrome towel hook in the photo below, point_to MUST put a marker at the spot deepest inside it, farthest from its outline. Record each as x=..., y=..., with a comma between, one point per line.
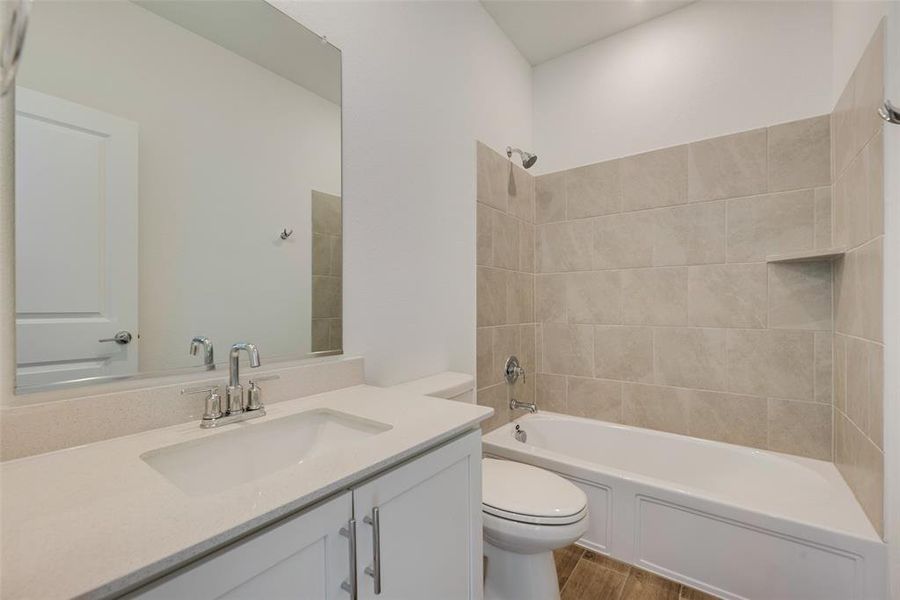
x=889, y=113
x=285, y=234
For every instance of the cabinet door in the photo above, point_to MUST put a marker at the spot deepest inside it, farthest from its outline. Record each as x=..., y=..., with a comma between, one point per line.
x=428, y=525
x=303, y=557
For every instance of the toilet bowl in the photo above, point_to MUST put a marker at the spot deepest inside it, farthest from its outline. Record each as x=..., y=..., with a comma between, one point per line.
x=527, y=512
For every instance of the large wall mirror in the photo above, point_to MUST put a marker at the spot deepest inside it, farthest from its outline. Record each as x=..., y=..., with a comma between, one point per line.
x=178, y=178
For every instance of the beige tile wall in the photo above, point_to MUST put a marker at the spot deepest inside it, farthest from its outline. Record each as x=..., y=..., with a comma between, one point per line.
x=859, y=225
x=505, y=280
x=327, y=265
x=654, y=301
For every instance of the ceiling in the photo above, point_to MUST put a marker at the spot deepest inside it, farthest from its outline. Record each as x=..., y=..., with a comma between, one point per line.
x=545, y=29
x=262, y=34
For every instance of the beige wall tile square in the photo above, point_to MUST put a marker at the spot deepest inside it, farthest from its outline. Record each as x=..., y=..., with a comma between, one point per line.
x=802, y=428
x=321, y=254
x=858, y=382
x=840, y=372
x=539, y=348
x=526, y=351
x=688, y=357
x=550, y=198
x=729, y=166
x=520, y=298
x=484, y=254
x=770, y=224
x=875, y=428
x=800, y=295
x=320, y=334
x=868, y=93
x=594, y=399
x=485, y=374
x=495, y=397
x=624, y=353
x=851, y=205
x=506, y=343
x=505, y=235
x=326, y=213
x=337, y=255
x=843, y=132
x=568, y=349
x=824, y=372
x=550, y=298
x=690, y=235
x=624, y=240
x=858, y=292
x=520, y=192
x=800, y=154
x=594, y=297
x=492, y=176
x=862, y=465
x=822, y=235
x=526, y=247
x=729, y=418
x=771, y=363
x=593, y=190
x=326, y=297
x=564, y=246
x=655, y=296
x=491, y=296
x=731, y=295
x=550, y=393
x=654, y=179
x=875, y=184
x=656, y=407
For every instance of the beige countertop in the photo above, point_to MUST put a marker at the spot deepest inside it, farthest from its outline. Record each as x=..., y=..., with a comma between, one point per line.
x=95, y=520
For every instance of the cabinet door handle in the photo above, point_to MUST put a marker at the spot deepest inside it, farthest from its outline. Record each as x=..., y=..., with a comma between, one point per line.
x=349, y=585
x=375, y=570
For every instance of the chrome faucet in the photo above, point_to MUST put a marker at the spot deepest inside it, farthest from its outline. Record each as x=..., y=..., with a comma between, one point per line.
x=235, y=409
x=234, y=393
x=529, y=406
x=203, y=342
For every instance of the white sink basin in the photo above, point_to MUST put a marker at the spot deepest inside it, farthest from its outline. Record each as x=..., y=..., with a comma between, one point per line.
x=255, y=449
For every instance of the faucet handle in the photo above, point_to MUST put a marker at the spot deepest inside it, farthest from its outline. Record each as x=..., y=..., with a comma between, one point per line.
x=213, y=401
x=254, y=393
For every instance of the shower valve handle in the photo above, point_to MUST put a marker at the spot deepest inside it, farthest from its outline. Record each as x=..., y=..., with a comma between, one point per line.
x=513, y=370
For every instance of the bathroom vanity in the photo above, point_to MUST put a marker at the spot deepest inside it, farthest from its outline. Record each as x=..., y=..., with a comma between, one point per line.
x=328, y=496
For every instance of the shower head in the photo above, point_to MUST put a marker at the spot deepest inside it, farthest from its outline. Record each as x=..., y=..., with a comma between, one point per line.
x=528, y=159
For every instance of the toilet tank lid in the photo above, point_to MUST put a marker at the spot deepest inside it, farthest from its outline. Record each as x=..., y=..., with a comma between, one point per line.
x=442, y=385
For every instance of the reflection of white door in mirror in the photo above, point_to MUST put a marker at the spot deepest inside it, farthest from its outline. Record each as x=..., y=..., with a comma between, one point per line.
x=76, y=241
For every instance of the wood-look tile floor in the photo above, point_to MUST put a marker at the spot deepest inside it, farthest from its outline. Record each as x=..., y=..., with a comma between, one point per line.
x=586, y=575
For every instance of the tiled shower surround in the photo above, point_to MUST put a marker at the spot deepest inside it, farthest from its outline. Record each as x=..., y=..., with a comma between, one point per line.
x=657, y=300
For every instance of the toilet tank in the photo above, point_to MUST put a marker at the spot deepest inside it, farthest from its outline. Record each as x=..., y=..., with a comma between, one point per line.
x=449, y=385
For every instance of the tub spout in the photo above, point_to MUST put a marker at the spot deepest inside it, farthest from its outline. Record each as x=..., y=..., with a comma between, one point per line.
x=516, y=405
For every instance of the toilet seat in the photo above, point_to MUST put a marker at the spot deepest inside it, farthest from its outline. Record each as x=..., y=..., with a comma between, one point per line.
x=525, y=494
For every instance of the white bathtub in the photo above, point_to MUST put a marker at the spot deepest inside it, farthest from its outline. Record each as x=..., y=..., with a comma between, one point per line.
x=733, y=521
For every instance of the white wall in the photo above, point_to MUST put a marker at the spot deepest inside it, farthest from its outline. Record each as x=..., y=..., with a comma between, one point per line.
x=229, y=153
x=709, y=69
x=422, y=81
x=854, y=21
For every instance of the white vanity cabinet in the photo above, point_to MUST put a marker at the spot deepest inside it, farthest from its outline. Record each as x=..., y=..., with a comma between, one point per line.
x=427, y=513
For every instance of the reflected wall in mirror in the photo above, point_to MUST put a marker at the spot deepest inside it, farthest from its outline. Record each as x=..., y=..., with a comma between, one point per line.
x=164, y=150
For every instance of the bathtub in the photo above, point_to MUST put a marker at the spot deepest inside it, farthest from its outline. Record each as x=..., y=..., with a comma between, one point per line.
x=729, y=520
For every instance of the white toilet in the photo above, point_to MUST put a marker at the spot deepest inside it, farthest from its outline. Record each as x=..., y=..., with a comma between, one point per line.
x=528, y=512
